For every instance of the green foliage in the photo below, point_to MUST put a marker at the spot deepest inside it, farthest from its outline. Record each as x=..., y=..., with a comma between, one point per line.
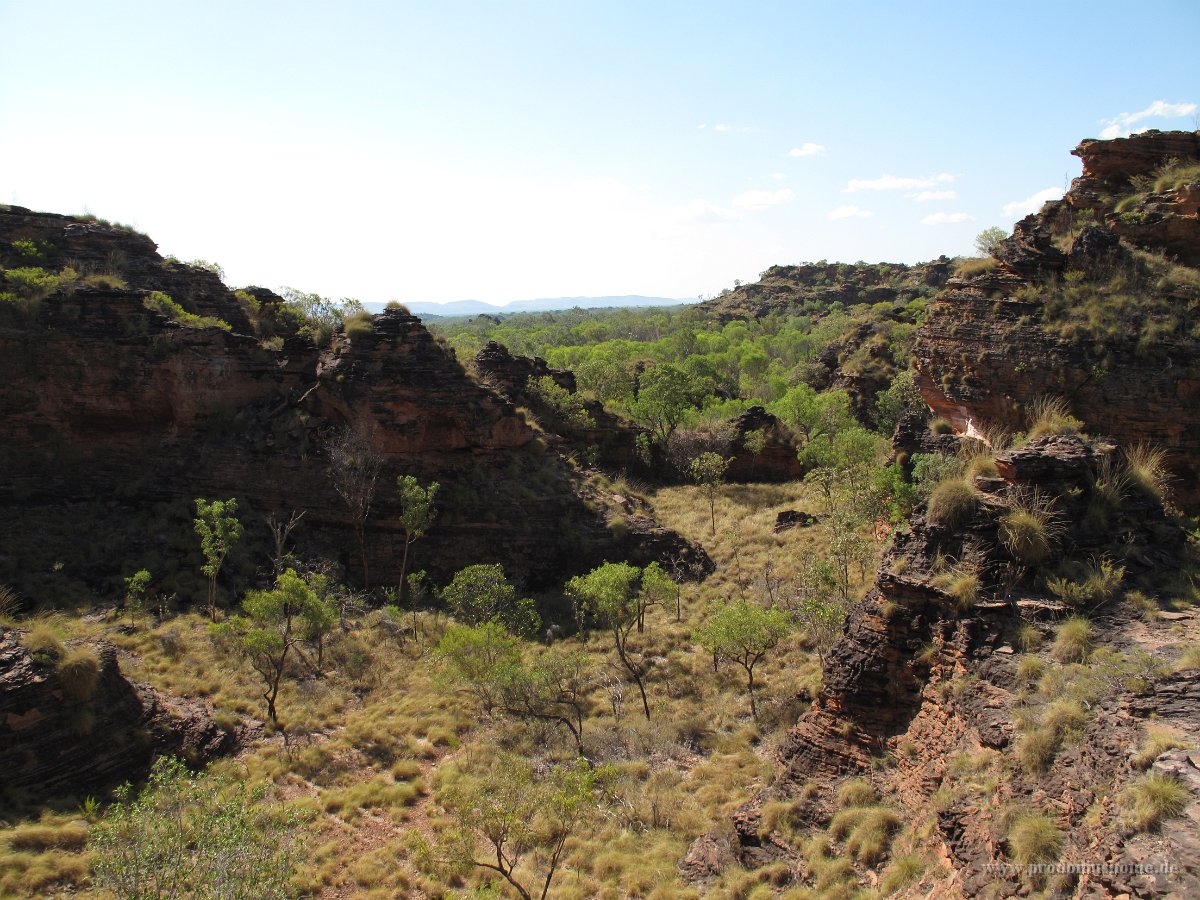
x=708, y=471
x=357, y=325
x=480, y=593
x=479, y=657
x=162, y=303
x=516, y=812
x=665, y=393
x=135, y=593
x=1051, y=416
x=319, y=317
x=218, y=528
x=416, y=515
x=1098, y=584
x=744, y=633
x=988, y=240
x=189, y=836
x=901, y=398
x=563, y=405
x=276, y=622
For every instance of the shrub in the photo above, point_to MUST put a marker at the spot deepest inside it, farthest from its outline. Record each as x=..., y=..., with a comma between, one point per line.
x=1146, y=471
x=358, y=325
x=1030, y=669
x=1157, y=742
x=1073, y=641
x=159, y=302
x=867, y=831
x=940, y=426
x=960, y=583
x=42, y=643
x=1029, y=528
x=1099, y=585
x=1034, y=838
x=953, y=503
x=1051, y=416
x=1029, y=637
x=79, y=673
x=856, y=792
x=1151, y=798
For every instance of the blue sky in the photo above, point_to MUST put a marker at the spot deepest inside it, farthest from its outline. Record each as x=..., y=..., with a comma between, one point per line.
x=500, y=151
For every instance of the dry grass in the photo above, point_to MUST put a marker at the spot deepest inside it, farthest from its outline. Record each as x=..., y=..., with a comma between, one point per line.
x=1073, y=641
x=1048, y=416
x=1034, y=838
x=1151, y=798
x=1158, y=741
x=1030, y=527
x=79, y=673
x=953, y=503
x=1145, y=470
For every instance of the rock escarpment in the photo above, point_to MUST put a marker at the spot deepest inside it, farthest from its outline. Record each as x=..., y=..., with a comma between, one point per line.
x=58, y=738
x=1081, y=308
x=116, y=416
x=926, y=696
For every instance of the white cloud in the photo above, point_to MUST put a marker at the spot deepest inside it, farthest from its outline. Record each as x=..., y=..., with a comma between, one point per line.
x=751, y=200
x=807, y=149
x=722, y=127
x=850, y=212
x=1159, y=109
x=701, y=127
x=778, y=176
x=943, y=218
x=894, y=183
x=926, y=196
x=1019, y=209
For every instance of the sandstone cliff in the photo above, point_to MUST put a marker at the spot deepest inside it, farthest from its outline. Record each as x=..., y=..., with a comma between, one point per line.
x=1095, y=300
x=117, y=416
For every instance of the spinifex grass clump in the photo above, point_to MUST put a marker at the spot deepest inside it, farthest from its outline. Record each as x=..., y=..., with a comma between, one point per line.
x=1030, y=527
x=953, y=503
x=1034, y=838
x=1152, y=798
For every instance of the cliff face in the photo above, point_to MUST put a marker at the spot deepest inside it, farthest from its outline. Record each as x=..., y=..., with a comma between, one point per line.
x=116, y=417
x=1080, y=307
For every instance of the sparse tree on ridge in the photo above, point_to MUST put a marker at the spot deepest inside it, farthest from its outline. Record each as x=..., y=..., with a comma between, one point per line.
x=416, y=516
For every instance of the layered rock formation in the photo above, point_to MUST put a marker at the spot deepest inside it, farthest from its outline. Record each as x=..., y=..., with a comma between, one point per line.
x=1073, y=311
x=931, y=686
x=58, y=738
x=116, y=417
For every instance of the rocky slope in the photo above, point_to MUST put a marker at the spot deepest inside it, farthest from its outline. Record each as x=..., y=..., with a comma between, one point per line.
x=1080, y=307
x=93, y=730
x=117, y=416
x=927, y=697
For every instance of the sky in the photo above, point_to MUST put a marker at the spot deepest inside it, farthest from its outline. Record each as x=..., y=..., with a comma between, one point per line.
x=446, y=150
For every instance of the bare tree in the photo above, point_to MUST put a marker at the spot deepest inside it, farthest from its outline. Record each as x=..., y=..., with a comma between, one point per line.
x=280, y=532
x=354, y=466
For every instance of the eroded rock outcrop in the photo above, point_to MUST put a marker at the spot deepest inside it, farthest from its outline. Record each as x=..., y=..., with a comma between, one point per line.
x=116, y=417
x=931, y=685
x=56, y=737
x=1075, y=312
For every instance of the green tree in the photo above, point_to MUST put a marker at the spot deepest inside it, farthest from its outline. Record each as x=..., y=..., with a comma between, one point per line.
x=608, y=593
x=820, y=616
x=480, y=593
x=814, y=415
x=477, y=657
x=745, y=633
x=552, y=687
x=658, y=589
x=664, y=396
x=135, y=593
x=708, y=471
x=516, y=812
x=416, y=516
x=989, y=239
x=193, y=836
x=275, y=623
x=217, y=525
x=901, y=398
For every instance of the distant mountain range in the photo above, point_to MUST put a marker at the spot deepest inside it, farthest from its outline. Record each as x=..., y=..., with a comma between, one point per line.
x=477, y=307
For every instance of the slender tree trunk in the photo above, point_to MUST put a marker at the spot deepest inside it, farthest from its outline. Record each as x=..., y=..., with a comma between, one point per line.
x=403, y=569
x=750, y=682
x=360, y=532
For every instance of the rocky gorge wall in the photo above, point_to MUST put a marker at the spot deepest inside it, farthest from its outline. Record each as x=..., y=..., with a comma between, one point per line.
x=116, y=417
